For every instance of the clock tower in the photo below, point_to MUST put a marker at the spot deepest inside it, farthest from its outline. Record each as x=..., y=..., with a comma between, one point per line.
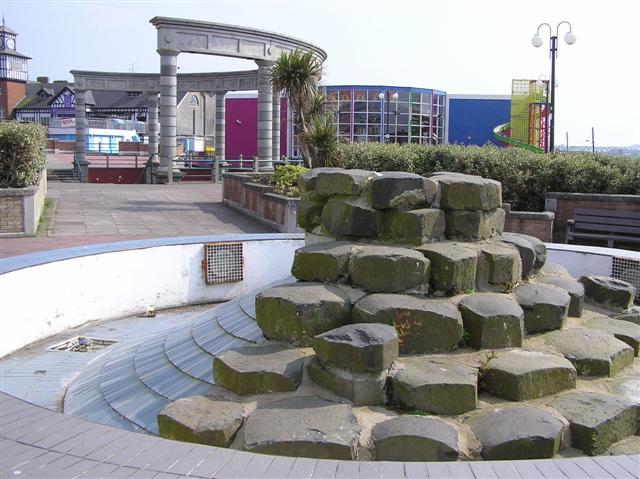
x=13, y=72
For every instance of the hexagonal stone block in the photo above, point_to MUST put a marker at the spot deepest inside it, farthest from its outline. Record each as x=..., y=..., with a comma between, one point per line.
x=467, y=192
x=415, y=226
x=499, y=267
x=362, y=347
x=477, y=225
x=397, y=189
x=592, y=352
x=423, y=325
x=614, y=294
x=309, y=211
x=453, y=266
x=492, y=321
x=545, y=306
x=554, y=269
x=388, y=269
x=435, y=384
x=525, y=248
x=260, y=368
x=324, y=262
x=597, y=420
x=632, y=315
x=304, y=426
x=415, y=438
x=207, y=420
x=571, y=286
x=351, y=217
x=520, y=375
x=362, y=389
x=338, y=181
x=297, y=312
x=622, y=330
x=307, y=181
x=516, y=432
x=626, y=447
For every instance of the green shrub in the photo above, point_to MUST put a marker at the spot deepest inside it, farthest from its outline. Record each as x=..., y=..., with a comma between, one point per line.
x=525, y=176
x=22, y=153
x=285, y=179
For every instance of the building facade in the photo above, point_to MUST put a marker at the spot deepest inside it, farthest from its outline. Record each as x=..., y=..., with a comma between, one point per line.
x=471, y=119
x=13, y=72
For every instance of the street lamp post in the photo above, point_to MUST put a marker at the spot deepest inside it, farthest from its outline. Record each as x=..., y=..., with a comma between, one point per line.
x=388, y=96
x=569, y=39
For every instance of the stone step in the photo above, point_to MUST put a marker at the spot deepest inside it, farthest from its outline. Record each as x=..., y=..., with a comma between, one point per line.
x=185, y=354
x=545, y=306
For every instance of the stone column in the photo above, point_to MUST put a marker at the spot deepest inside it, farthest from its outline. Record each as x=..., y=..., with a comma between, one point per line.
x=168, y=93
x=220, y=125
x=152, y=123
x=265, y=115
x=276, y=126
x=81, y=135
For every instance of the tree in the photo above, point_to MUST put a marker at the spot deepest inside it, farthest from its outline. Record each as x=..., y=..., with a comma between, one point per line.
x=298, y=75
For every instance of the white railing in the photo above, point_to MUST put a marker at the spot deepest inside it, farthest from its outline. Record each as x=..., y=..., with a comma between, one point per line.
x=104, y=123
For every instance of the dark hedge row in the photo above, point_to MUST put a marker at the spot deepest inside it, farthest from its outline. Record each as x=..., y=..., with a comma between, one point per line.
x=22, y=153
x=525, y=176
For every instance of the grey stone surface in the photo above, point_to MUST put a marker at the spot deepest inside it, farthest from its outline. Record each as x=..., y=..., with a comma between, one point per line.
x=554, y=269
x=474, y=225
x=362, y=389
x=499, y=267
x=415, y=438
x=297, y=312
x=423, y=325
x=338, y=181
x=491, y=321
x=516, y=432
x=453, y=266
x=571, y=286
x=309, y=211
x=260, y=368
x=324, y=262
x=397, y=189
x=439, y=385
x=622, y=330
x=466, y=192
x=632, y=315
x=207, y=420
x=307, y=181
x=628, y=446
x=388, y=269
x=592, y=352
x=525, y=248
x=545, y=306
x=414, y=226
x=597, y=420
x=304, y=426
x=361, y=347
x=614, y=294
x=351, y=217
x=519, y=375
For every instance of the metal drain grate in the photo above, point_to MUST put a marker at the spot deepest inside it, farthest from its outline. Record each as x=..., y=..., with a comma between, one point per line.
x=223, y=263
x=628, y=270
x=82, y=344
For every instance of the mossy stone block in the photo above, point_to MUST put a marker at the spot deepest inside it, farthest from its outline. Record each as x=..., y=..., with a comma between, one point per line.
x=453, y=266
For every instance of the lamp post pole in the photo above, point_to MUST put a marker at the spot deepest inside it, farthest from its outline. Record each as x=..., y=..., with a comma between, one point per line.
x=569, y=39
x=388, y=96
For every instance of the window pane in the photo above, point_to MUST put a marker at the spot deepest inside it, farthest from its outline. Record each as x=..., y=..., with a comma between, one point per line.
x=360, y=118
x=345, y=117
x=360, y=106
x=415, y=108
x=373, y=95
x=345, y=129
x=374, y=130
x=360, y=95
x=415, y=131
x=374, y=118
x=374, y=105
x=345, y=95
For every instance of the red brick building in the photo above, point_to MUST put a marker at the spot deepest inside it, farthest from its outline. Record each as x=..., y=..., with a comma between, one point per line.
x=13, y=72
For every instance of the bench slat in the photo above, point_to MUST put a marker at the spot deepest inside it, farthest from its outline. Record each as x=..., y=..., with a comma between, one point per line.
x=607, y=221
x=630, y=230
x=607, y=213
x=629, y=239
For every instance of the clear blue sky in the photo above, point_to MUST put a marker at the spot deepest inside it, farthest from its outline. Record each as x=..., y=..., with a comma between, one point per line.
x=473, y=47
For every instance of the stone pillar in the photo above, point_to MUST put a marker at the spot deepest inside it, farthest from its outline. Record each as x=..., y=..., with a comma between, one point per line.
x=220, y=125
x=276, y=126
x=168, y=93
x=81, y=135
x=265, y=115
x=152, y=123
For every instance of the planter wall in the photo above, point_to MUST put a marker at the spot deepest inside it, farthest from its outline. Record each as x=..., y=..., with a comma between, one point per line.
x=259, y=202
x=20, y=208
x=530, y=223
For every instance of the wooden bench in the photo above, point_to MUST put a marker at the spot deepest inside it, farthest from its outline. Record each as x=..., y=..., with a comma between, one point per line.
x=604, y=225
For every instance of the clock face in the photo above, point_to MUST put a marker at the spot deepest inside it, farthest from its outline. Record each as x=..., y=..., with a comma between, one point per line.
x=11, y=43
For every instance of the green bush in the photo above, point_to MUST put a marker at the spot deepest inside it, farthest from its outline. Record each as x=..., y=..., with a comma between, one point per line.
x=285, y=179
x=22, y=153
x=525, y=176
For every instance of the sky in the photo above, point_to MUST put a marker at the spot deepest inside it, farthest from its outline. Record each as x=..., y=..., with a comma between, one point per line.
x=458, y=46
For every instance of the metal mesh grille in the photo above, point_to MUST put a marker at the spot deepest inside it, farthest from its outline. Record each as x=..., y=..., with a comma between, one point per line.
x=628, y=270
x=223, y=263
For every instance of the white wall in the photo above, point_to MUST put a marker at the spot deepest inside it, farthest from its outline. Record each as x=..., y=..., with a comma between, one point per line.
x=46, y=299
x=586, y=260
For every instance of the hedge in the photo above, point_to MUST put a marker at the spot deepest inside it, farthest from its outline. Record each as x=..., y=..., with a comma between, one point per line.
x=22, y=153
x=525, y=176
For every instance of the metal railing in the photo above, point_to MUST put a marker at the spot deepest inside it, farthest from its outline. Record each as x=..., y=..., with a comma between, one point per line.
x=104, y=123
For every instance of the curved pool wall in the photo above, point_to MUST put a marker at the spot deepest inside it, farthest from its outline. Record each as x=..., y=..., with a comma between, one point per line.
x=45, y=293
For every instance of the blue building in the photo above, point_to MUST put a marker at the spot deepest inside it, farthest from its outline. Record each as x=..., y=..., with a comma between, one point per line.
x=472, y=118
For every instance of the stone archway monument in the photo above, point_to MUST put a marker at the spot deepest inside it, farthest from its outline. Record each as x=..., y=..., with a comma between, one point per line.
x=177, y=36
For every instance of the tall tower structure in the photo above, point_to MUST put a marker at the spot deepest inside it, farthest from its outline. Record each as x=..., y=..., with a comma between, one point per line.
x=13, y=72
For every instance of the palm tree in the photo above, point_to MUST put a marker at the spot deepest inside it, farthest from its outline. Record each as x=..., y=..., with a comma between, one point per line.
x=298, y=74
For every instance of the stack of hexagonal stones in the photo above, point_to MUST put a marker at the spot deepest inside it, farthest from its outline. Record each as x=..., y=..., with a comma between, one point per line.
x=402, y=320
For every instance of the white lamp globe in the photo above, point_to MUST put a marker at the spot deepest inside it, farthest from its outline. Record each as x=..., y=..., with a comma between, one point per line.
x=381, y=96
x=394, y=97
x=536, y=40
x=569, y=38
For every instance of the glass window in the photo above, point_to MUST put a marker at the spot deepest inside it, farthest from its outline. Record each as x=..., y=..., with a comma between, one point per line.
x=360, y=95
x=401, y=139
x=360, y=106
x=374, y=130
x=374, y=105
x=345, y=129
x=345, y=95
x=360, y=118
x=403, y=96
x=359, y=130
x=415, y=108
x=344, y=117
x=345, y=106
x=403, y=119
x=400, y=107
x=373, y=95
x=415, y=131
x=374, y=118
x=359, y=139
